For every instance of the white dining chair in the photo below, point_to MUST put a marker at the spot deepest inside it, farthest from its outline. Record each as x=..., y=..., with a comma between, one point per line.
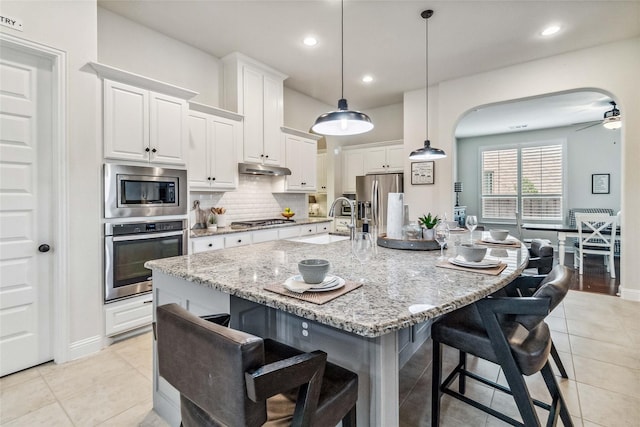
x=596, y=235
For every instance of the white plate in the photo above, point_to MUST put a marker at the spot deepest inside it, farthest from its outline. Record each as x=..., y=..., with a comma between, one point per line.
x=507, y=241
x=485, y=263
x=330, y=283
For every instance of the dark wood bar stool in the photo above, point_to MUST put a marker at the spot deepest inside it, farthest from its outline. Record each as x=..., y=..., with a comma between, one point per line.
x=508, y=331
x=231, y=378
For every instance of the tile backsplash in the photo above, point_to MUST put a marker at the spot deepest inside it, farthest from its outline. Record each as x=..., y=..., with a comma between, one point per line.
x=253, y=199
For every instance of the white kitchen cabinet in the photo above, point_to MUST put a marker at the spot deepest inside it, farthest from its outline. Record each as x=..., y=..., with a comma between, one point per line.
x=256, y=91
x=288, y=232
x=143, y=125
x=352, y=166
x=260, y=236
x=128, y=314
x=237, y=239
x=214, y=135
x=321, y=173
x=205, y=244
x=301, y=158
x=384, y=159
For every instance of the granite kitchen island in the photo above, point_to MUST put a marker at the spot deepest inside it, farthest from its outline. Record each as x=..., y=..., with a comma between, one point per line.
x=364, y=330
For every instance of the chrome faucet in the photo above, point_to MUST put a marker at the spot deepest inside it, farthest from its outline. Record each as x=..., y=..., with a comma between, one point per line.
x=352, y=204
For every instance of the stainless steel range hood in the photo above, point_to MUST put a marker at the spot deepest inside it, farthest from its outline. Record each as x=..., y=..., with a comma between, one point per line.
x=256, y=169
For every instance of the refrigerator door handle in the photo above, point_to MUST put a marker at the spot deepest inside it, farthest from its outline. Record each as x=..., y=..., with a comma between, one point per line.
x=374, y=201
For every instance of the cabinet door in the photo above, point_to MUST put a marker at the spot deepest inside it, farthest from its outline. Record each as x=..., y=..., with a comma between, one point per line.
x=252, y=91
x=293, y=149
x=395, y=158
x=223, y=153
x=204, y=244
x=272, y=98
x=375, y=160
x=308, y=162
x=321, y=172
x=198, y=153
x=126, y=122
x=168, y=129
x=353, y=166
x=237, y=239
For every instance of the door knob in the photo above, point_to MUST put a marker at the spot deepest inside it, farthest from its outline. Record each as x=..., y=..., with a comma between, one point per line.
x=44, y=248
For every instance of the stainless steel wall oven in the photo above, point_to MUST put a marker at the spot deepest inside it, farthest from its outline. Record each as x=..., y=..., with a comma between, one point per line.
x=141, y=191
x=129, y=245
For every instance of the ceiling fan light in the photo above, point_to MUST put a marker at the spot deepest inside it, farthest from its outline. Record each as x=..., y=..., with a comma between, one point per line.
x=427, y=153
x=612, y=123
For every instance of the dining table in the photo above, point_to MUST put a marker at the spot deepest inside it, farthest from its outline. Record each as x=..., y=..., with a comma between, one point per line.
x=564, y=231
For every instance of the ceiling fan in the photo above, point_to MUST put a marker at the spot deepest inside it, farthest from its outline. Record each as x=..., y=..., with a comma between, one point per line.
x=611, y=120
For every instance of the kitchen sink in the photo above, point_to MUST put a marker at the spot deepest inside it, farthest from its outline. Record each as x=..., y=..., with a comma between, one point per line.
x=320, y=239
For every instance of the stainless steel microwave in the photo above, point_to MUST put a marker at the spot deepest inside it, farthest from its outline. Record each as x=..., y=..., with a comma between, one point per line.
x=140, y=191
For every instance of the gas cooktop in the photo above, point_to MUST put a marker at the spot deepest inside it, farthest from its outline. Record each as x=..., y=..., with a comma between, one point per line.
x=260, y=222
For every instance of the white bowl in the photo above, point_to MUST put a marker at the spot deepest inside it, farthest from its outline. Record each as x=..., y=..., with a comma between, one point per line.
x=499, y=234
x=471, y=252
x=453, y=225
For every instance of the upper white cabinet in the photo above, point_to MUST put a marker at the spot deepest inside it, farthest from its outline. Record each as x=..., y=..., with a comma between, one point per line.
x=384, y=159
x=321, y=172
x=301, y=151
x=214, y=135
x=256, y=91
x=352, y=166
x=145, y=120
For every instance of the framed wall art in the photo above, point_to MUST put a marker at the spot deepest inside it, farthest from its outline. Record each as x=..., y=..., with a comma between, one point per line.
x=423, y=173
x=600, y=183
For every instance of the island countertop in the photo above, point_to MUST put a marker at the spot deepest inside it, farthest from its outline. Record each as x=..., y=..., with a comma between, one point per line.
x=401, y=288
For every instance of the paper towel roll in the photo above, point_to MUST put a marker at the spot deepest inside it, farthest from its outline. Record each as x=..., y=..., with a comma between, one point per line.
x=395, y=215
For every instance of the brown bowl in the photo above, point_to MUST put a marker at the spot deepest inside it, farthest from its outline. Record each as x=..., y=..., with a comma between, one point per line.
x=287, y=214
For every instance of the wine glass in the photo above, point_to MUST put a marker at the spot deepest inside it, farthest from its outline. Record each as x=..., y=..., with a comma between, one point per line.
x=471, y=222
x=362, y=246
x=442, y=235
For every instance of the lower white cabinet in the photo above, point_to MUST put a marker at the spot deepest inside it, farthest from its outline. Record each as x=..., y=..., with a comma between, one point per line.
x=125, y=315
x=232, y=240
x=237, y=239
x=204, y=244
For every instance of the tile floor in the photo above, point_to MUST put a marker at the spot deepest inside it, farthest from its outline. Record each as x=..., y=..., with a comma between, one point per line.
x=598, y=337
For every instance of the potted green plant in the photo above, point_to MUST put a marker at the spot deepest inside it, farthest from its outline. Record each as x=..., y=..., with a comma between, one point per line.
x=428, y=222
x=212, y=222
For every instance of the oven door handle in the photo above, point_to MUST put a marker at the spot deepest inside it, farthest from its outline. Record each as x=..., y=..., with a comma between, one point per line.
x=146, y=236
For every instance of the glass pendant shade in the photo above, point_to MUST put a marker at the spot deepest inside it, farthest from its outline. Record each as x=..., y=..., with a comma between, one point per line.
x=342, y=122
x=427, y=153
x=612, y=123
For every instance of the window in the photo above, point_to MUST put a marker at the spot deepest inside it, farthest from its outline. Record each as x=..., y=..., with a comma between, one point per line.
x=527, y=177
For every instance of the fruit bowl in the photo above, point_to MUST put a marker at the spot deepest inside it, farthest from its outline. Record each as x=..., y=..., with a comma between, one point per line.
x=287, y=214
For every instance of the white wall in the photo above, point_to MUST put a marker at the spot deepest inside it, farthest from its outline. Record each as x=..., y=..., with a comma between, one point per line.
x=71, y=27
x=612, y=68
x=580, y=161
x=125, y=44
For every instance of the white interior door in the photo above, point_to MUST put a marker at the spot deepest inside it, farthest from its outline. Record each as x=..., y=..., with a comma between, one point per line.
x=25, y=210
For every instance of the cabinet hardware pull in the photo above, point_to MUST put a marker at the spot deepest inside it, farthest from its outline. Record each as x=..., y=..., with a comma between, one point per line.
x=154, y=150
x=210, y=244
x=147, y=149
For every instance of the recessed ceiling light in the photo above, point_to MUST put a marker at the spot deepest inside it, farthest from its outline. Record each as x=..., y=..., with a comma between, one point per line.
x=550, y=30
x=310, y=41
x=367, y=79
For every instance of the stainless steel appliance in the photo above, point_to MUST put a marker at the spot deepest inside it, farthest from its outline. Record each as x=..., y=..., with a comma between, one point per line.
x=139, y=191
x=372, y=194
x=129, y=245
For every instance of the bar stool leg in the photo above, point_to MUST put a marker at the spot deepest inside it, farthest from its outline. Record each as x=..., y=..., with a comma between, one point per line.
x=558, y=361
x=436, y=379
x=554, y=390
x=462, y=378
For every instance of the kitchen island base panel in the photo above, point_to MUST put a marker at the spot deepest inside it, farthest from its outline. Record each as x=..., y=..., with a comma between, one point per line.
x=375, y=360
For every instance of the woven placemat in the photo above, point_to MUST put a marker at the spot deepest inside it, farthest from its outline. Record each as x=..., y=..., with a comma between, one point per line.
x=314, y=297
x=494, y=271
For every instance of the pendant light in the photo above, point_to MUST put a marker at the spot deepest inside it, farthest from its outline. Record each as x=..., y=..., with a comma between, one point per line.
x=427, y=152
x=343, y=121
x=612, y=118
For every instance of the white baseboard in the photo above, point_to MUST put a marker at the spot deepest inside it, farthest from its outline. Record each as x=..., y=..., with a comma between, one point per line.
x=85, y=347
x=629, y=294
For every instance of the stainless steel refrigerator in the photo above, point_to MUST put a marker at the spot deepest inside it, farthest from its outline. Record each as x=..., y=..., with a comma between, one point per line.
x=372, y=193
